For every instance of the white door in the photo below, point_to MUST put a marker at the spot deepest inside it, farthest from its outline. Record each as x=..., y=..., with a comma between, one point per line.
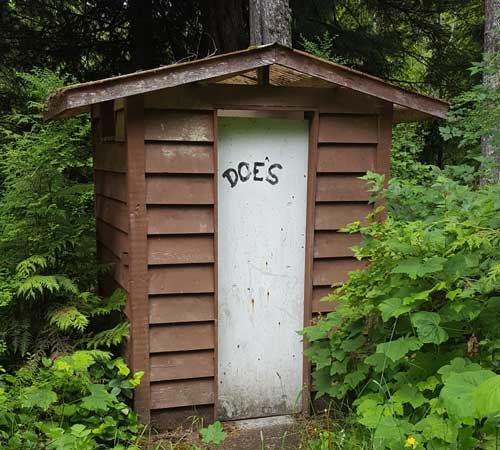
x=262, y=197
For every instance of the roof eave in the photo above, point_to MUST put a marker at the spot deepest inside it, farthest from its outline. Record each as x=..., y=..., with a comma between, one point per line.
x=75, y=99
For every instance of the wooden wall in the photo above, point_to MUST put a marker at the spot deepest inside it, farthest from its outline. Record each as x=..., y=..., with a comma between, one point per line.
x=349, y=145
x=110, y=189
x=181, y=193
x=156, y=204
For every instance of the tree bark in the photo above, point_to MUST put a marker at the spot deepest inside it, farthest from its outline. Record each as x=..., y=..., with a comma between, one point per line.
x=491, y=46
x=225, y=26
x=270, y=21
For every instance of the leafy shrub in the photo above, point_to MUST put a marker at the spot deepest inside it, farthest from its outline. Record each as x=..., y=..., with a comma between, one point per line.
x=74, y=402
x=414, y=344
x=47, y=233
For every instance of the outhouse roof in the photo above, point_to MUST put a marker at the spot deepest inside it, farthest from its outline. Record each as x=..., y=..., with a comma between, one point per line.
x=271, y=64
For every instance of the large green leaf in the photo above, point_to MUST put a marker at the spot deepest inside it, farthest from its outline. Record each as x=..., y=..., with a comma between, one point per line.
x=457, y=394
x=416, y=267
x=393, y=307
x=436, y=427
x=428, y=328
x=38, y=397
x=395, y=350
x=487, y=397
x=99, y=398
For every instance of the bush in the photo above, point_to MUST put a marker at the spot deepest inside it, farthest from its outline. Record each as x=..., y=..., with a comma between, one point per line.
x=48, y=301
x=74, y=402
x=414, y=344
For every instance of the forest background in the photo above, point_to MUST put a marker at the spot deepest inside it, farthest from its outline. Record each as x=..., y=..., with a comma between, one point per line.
x=52, y=323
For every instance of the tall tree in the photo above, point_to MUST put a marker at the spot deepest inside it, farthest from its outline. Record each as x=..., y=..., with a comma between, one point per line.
x=270, y=21
x=224, y=26
x=492, y=80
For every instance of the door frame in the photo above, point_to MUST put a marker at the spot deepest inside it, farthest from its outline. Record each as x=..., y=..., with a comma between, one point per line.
x=312, y=116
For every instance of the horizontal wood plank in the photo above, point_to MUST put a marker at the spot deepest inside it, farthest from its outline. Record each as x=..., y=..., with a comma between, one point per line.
x=329, y=100
x=182, y=365
x=112, y=212
x=111, y=185
x=115, y=266
x=180, y=189
x=329, y=271
x=178, y=125
x=181, y=337
x=180, y=219
x=329, y=244
x=332, y=216
x=320, y=292
x=345, y=158
x=172, y=418
x=113, y=238
x=341, y=188
x=196, y=278
x=179, y=157
x=110, y=156
x=348, y=128
x=181, y=308
x=180, y=249
x=173, y=394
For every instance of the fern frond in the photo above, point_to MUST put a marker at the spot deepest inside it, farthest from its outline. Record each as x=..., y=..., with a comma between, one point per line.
x=42, y=284
x=113, y=303
x=109, y=338
x=31, y=265
x=69, y=317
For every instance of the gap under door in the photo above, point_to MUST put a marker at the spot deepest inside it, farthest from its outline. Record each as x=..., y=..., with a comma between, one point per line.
x=262, y=199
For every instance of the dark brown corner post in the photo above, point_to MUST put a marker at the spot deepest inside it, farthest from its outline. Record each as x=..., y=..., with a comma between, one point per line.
x=313, y=117
x=383, y=159
x=138, y=265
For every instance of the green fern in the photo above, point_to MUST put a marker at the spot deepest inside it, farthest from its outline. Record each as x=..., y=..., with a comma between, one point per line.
x=42, y=284
x=31, y=265
x=115, y=302
x=109, y=338
x=69, y=317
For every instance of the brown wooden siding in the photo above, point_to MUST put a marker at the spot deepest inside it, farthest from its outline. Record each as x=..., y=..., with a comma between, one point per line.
x=172, y=394
x=110, y=207
x=347, y=149
x=180, y=185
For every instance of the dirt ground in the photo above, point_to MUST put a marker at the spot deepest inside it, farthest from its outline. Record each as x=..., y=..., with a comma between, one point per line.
x=274, y=433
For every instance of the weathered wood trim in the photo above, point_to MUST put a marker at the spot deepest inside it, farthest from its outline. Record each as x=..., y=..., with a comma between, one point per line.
x=309, y=250
x=81, y=95
x=215, y=156
x=138, y=262
x=358, y=81
x=76, y=98
x=383, y=159
x=227, y=97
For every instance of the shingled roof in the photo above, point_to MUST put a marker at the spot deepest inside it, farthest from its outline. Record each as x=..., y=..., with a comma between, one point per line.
x=281, y=65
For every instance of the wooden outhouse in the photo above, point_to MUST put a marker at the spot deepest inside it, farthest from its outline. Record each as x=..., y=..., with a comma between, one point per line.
x=220, y=185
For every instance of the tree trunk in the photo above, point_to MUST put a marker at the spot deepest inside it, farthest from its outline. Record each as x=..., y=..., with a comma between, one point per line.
x=491, y=45
x=225, y=26
x=270, y=21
